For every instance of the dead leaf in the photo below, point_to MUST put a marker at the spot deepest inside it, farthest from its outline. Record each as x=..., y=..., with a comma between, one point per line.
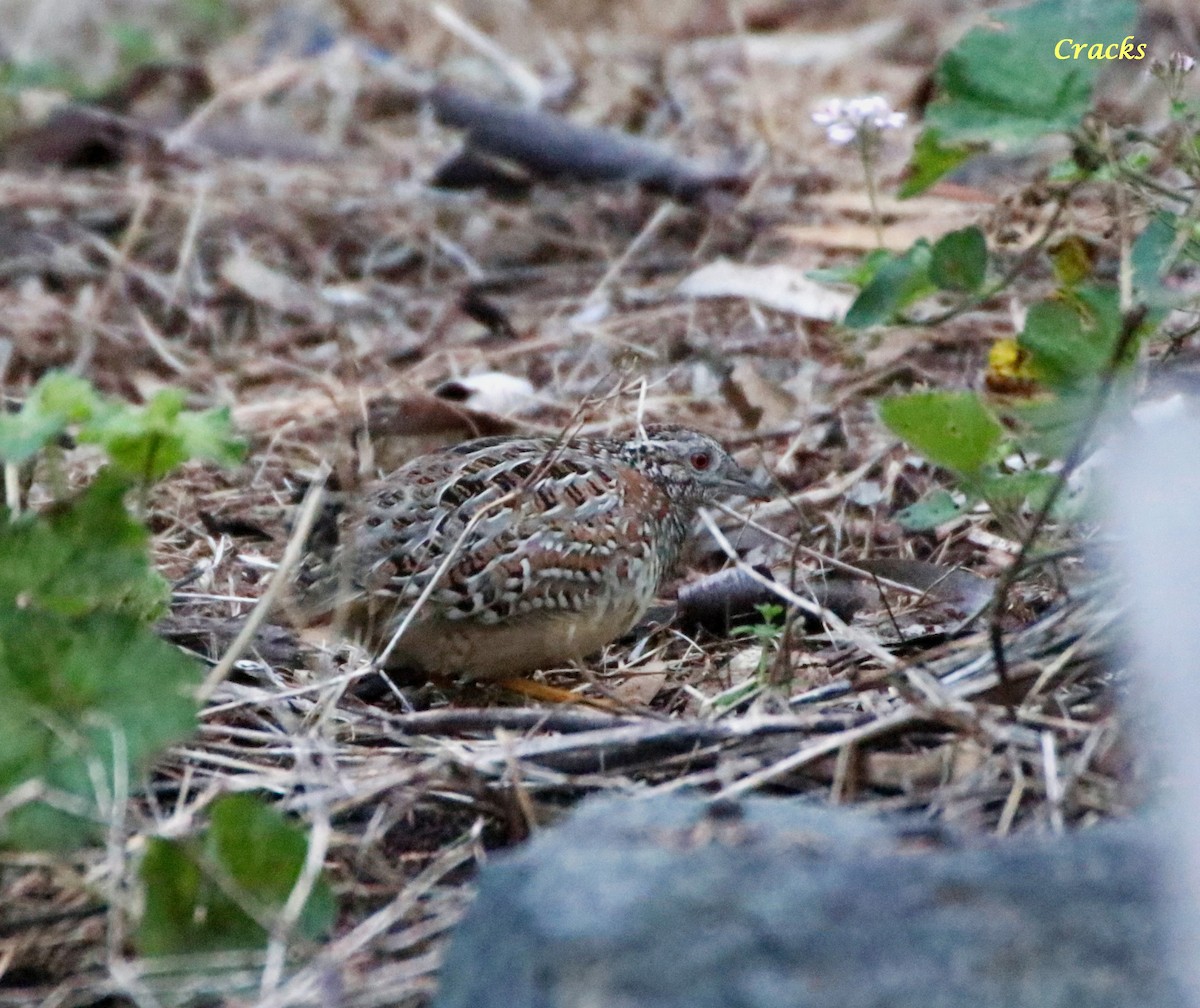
x=853, y=236
x=277, y=291
x=640, y=687
x=790, y=50
x=894, y=345
x=758, y=402
x=904, y=221
x=781, y=287
x=912, y=772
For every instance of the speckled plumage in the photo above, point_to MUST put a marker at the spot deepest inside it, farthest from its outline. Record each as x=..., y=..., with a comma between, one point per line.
x=530, y=552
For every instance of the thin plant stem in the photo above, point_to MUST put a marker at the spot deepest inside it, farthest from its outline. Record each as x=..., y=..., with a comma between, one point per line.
x=865, y=151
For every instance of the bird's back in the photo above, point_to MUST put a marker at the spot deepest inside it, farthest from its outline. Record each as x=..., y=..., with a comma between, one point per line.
x=514, y=553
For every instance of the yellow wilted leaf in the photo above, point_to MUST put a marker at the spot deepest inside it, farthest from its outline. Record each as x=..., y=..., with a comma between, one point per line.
x=1010, y=373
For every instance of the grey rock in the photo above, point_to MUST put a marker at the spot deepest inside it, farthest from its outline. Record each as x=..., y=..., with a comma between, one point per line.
x=672, y=903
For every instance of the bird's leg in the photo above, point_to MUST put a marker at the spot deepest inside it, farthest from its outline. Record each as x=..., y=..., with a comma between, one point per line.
x=552, y=694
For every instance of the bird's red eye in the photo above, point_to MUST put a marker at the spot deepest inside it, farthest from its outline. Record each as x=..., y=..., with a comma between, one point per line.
x=701, y=461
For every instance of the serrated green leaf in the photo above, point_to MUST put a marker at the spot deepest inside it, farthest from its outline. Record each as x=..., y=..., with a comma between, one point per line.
x=56, y=401
x=64, y=395
x=144, y=442
x=1006, y=82
x=215, y=893
x=898, y=282
x=141, y=441
x=23, y=435
x=83, y=556
x=96, y=695
x=960, y=260
x=931, y=159
x=208, y=434
x=954, y=430
x=86, y=689
x=147, y=442
x=936, y=508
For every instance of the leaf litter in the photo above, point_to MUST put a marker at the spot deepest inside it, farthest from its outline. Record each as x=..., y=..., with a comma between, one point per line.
x=309, y=277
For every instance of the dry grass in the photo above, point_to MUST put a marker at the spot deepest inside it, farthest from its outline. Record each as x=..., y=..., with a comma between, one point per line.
x=300, y=289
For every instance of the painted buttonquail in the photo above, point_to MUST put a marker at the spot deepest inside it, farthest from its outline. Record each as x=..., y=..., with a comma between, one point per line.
x=517, y=553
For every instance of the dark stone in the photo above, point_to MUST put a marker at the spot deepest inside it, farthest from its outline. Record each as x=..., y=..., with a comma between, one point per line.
x=676, y=903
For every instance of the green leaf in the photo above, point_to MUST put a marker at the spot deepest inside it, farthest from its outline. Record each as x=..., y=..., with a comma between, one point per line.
x=951, y=429
x=931, y=159
x=64, y=395
x=1050, y=427
x=1071, y=341
x=1149, y=255
x=1150, y=250
x=1030, y=487
x=960, y=260
x=87, y=692
x=215, y=893
x=56, y=401
x=136, y=45
x=24, y=434
x=936, y=508
x=144, y=442
x=17, y=76
x=148, y=442
x=1006, y=82
x=80, y=557
x=209, y=435
x=900, y=281
x=86, y=701
x=183, y=909
x=859, y=273
x=1060, y=354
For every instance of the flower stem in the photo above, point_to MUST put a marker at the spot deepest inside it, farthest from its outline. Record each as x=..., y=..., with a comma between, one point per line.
x=868, y=162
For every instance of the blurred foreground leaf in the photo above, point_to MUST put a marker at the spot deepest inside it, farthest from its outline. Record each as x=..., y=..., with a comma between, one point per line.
x=952, y=429
x=1004, y=82
x=221, y=891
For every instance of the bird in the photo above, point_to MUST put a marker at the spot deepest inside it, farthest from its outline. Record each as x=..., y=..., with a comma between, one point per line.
x=504, y=555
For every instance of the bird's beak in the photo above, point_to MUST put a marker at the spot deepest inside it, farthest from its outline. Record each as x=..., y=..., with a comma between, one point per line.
x=747, y=486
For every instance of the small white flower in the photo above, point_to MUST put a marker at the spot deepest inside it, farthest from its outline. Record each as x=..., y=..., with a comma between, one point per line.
x=841, y=133
x=1174, y=68
x=848, y=120
x=828, y=113
x=1180, y=63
